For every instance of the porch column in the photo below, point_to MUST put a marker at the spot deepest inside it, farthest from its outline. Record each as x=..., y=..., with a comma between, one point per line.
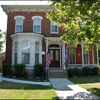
x=40, y=52
x=82, y=46
x=63, y=56
x=97, y=54
x=32, y=53
x=19, y=53
x=46, y=49
x=13, y=53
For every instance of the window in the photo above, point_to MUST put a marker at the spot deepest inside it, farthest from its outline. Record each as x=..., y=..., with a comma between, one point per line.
x=54, y=28
x=26, y=52
x=71, y=55
x=19, y=23
x=86, y=59
x=36, y=52
x=37, y=24
x=15, y=52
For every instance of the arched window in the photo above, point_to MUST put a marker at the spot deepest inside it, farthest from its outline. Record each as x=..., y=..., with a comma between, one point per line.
x=19, y=23
x=37, y=23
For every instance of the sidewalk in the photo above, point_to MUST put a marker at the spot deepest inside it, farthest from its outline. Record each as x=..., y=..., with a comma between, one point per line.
x=25, y=82
x=68, y=90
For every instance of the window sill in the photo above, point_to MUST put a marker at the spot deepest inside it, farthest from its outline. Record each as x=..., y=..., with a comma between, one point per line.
x=54, y=32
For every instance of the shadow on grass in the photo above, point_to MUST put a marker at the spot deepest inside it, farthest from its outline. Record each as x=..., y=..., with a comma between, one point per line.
x=85, y=80
x=11, y=85
x=95, y=91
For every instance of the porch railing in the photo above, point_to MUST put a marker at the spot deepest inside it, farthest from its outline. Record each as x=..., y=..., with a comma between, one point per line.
x=80, y=65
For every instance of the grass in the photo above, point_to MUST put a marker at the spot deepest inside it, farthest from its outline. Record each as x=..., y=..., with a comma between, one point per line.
x=10, y=90
x=91, y=84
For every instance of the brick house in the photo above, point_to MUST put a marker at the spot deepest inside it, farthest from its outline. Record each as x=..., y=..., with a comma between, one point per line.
x=29, y=33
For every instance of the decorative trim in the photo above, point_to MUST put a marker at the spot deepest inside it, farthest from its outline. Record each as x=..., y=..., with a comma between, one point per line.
x=37, y=17
x=19, y=16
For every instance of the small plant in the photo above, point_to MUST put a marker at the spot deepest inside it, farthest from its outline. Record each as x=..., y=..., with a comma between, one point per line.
x=86, y=70
x=7, y=69
x=20, y=70
x=37, y=69
x=70, y=72
x=75, y=71
x=95, y=70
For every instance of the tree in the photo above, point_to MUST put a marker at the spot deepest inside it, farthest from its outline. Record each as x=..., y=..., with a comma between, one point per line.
x=79, y=20
x=2, y=39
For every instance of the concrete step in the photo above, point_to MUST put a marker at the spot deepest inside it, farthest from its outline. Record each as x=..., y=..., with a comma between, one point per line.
x=56, y=74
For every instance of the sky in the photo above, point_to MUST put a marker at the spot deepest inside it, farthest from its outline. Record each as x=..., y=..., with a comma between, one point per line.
x=3, y=16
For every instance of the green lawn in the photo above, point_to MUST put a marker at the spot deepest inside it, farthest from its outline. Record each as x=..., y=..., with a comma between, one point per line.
x=91, y=84
x=10, y=90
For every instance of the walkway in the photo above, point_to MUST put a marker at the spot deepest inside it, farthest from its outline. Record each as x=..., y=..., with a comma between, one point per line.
x=25, y=82
x=68, y=90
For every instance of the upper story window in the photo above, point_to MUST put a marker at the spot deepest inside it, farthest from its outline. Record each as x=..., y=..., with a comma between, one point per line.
x=54, y=28
x=19, y=23
x=37, y=23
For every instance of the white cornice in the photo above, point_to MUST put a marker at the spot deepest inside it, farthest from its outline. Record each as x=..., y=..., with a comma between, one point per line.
x=26, y=36
x=27, y=8
x=52, y=38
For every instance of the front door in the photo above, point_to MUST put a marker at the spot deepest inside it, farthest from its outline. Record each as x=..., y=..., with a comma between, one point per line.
x=55, y=58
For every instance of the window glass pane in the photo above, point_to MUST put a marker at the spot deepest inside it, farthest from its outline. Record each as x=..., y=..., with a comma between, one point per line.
x=25, y=47
x=19, y=21
x=37, y=22
x=36, y=52
x=51, y=54
x=36, y=28
x=15, y=58
x=36, y=58
x=37, y=25
x=19, y=28
x=26, y=52
x=54, y=27
x=37, y=47
x=57, y=55
x=26, y=58
x=15, y=47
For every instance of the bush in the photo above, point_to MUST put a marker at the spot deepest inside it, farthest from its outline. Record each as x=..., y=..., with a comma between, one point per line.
x=86, y=70
x=20, y=70
x=70, y=72
x=7, y=69
x=75, y=71
x=95, y=70
x=38, y=69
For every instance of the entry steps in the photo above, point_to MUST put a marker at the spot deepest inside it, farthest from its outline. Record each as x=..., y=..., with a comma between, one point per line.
x=56, y=73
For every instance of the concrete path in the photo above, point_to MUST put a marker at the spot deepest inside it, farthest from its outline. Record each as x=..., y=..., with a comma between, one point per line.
x=25, y=82
x=68, y=90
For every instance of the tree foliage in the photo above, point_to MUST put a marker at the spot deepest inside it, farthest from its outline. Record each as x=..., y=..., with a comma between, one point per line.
x=79, y=20
x=2, y=39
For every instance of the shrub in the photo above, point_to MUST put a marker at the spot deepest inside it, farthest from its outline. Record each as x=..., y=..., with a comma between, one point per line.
x=95, y=70
x=75, y=71
x=70, y=72
x=38, y=69
x=86, y=70
x=20, y=70
x=7, y=69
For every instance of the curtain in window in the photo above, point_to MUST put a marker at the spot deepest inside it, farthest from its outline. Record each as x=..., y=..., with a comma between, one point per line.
x=54, y=27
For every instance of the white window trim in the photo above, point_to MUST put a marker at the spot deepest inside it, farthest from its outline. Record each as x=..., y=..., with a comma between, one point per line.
x=37, y=17
x=51, y=29
x=17, y=17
